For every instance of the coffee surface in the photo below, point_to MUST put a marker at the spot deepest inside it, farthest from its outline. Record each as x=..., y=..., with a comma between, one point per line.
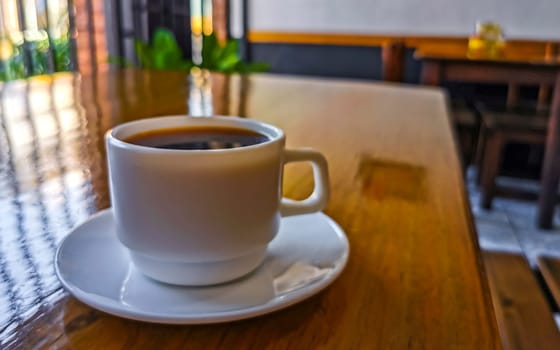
x=197, y=138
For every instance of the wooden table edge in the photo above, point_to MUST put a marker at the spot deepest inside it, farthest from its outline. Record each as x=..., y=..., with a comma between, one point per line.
x=483, y=276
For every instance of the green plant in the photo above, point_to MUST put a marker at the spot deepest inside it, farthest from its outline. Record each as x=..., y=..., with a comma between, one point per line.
x=39, y=56
x=225, y=58
x=62, y=54
x=164, y=53
x=14, y=67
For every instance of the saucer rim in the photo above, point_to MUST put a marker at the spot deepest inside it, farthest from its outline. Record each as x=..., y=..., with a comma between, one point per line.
x=275, y=304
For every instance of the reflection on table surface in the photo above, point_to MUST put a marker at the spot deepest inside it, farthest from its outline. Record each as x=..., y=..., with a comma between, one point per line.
x=46, y=187
x=53, y=171
x=414, y=274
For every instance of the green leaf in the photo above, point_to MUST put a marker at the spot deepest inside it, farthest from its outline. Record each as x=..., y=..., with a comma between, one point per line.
x=166, y=60
x=228, y=64
x=257, y=67
x=211, y=51
x=231, y=48
x=164, y=40
x=144, y=54
x=62, y=60
x=229, y=57
x=61, y=53
x=164, y=53
x=186, y=65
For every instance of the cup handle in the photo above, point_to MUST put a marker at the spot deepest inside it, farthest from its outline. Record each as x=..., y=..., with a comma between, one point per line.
x=318, y=199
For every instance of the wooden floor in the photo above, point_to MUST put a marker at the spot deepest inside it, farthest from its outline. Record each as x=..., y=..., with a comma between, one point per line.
x=524, y=314
x=550, y=269
x=523, y=303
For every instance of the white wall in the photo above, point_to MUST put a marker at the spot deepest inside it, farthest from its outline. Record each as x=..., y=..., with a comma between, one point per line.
x=538, y=19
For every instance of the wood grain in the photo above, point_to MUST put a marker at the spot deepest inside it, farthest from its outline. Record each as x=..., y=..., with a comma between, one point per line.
x=550, y=269
x=547, y=47
x=414, y=280
x=522, y=53
x=318, y=38
x=524, y=316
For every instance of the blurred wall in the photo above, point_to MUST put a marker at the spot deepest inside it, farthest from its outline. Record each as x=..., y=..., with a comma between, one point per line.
x=534, y=19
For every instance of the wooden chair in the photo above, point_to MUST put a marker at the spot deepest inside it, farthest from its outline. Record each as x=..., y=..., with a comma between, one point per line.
x=392, y=57
x=521, y=124
x=466, y=121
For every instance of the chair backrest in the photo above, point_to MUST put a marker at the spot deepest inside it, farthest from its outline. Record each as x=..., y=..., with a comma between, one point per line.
x=392, y=56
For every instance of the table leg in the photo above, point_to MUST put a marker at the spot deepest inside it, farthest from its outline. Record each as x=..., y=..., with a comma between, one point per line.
x=512, y=95
x=551, y=165
x=544, y=93
x=431, y=73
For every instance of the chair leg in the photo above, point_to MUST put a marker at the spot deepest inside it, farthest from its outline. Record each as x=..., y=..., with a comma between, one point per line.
x=476, y=134
x=479, y=154
x=490, y=167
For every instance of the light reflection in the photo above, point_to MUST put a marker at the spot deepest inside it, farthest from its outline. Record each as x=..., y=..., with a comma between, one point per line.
x=200, y=93
x=63, y=91
x=45, y=126
x=73, y=179
x=43, y=189
x=69, y=120
x=20, y=134
x=39, y=95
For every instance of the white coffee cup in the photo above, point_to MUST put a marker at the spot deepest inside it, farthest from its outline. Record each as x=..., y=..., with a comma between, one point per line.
x=201, y=217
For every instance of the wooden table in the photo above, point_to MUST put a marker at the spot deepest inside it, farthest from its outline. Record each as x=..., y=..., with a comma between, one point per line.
x=514, y=66
x=414, y=279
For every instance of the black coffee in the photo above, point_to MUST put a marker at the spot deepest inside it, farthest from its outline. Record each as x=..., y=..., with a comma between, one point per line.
x=197, y=138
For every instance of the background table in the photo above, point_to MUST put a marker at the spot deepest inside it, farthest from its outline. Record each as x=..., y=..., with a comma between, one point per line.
x=454, y=63
x=414, y=279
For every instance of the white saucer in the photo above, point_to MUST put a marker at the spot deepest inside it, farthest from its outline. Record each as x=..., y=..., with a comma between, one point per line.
x=308, y=254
